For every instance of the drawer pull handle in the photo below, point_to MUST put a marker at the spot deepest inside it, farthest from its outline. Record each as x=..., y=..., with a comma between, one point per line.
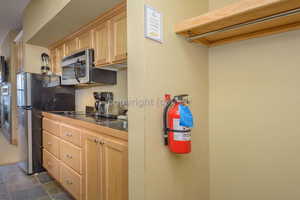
x=69, y=134
x=69, y=156
x=49, y=143
x=69, y=182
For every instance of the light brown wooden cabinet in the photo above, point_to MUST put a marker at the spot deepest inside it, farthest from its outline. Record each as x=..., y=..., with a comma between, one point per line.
x=119, y=37
x=107, y=35
x=71, y=181
x=57, y=55
x=102, y=44
x=71, y=46
x=115, y=170
x=53, y=61
x=93, y=189
x=106, y=167
x=89, y=164
x=60, y=54
x=85, y=41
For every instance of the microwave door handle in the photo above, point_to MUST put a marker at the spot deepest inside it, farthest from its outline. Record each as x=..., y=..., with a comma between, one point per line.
x=76, y=73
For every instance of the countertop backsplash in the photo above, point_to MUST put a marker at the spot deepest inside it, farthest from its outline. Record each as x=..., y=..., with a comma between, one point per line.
x=84, y=96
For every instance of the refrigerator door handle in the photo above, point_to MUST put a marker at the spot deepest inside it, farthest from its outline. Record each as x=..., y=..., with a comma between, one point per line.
x=29, y=129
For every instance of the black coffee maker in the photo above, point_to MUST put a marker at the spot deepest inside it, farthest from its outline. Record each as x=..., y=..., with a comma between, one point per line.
x=104, y=104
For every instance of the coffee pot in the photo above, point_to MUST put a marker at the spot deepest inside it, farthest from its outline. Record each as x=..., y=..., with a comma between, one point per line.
x=104, y=105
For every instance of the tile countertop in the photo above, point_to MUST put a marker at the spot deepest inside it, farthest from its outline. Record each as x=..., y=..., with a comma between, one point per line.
x=110, y=123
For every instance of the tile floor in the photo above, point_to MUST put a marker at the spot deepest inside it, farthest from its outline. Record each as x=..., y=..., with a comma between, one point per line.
x=15, y=185
x=9, y=153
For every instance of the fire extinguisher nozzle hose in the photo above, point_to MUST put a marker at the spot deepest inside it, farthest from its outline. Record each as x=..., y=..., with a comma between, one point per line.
x=165, y=121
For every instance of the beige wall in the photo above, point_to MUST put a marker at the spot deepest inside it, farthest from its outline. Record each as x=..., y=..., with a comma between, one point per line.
x=84, y=97
x=254, y=118
x=32, y=58
x=38, y=13
x=174, y=67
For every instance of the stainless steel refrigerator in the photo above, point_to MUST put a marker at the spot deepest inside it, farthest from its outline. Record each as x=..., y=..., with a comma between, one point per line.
x=37, y=93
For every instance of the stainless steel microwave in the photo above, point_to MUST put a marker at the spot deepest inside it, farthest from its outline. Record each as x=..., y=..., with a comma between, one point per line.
x=78, y=68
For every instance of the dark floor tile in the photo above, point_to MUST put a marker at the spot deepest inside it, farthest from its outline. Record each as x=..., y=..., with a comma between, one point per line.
x=5, y=169
x=52, y=188
x=35, y=193
x=44, y=177
x=3, y=188
x=18, y=182
x=1, y=178
x=4, y=196
x=44, y=198
x=15, y=185
x=14, y=177
x=62, y=196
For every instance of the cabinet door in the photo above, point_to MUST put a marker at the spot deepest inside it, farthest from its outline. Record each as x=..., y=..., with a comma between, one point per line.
x=93, y=157
x=60, y=54
x=85, y=41
x=119, y=38
x=57, y=54
x=102, y=44
x=115, y=170
x=71, y=46
x=53, y=60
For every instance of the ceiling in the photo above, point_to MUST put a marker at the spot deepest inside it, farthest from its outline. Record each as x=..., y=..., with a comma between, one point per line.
x=10, y=15
x=74, y=15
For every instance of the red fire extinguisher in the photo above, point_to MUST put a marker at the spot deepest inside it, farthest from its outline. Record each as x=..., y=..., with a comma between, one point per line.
x=177, y=124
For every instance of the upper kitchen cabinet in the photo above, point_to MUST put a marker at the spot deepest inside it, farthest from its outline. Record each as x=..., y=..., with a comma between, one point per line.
x=57, y=55
x=53, y=60
x=85, y=40
x=107, y=35
x=71, y=46
x=60, y=54
x=101, y=44
x=119, y=38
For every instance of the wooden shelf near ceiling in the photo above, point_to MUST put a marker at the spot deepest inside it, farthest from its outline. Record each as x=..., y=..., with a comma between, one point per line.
x=241, y=21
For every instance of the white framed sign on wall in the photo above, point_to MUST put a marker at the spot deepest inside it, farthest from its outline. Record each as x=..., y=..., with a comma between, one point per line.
x=153, y=24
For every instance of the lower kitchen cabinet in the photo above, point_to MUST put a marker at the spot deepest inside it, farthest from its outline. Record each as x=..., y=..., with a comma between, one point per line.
x=51, y=164
x=71, y=181
x=93, y=157
x=88, y=164
x=106, y=164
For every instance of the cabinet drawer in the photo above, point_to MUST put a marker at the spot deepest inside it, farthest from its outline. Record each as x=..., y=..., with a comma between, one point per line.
x=51, y=126
x=51, y=143
x=71, y=155
x=70, y=181
x=71, y=134
x=51, y=164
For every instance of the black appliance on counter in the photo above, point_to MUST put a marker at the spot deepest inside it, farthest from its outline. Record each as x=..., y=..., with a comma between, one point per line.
x=37, y=93
x=104, y=105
